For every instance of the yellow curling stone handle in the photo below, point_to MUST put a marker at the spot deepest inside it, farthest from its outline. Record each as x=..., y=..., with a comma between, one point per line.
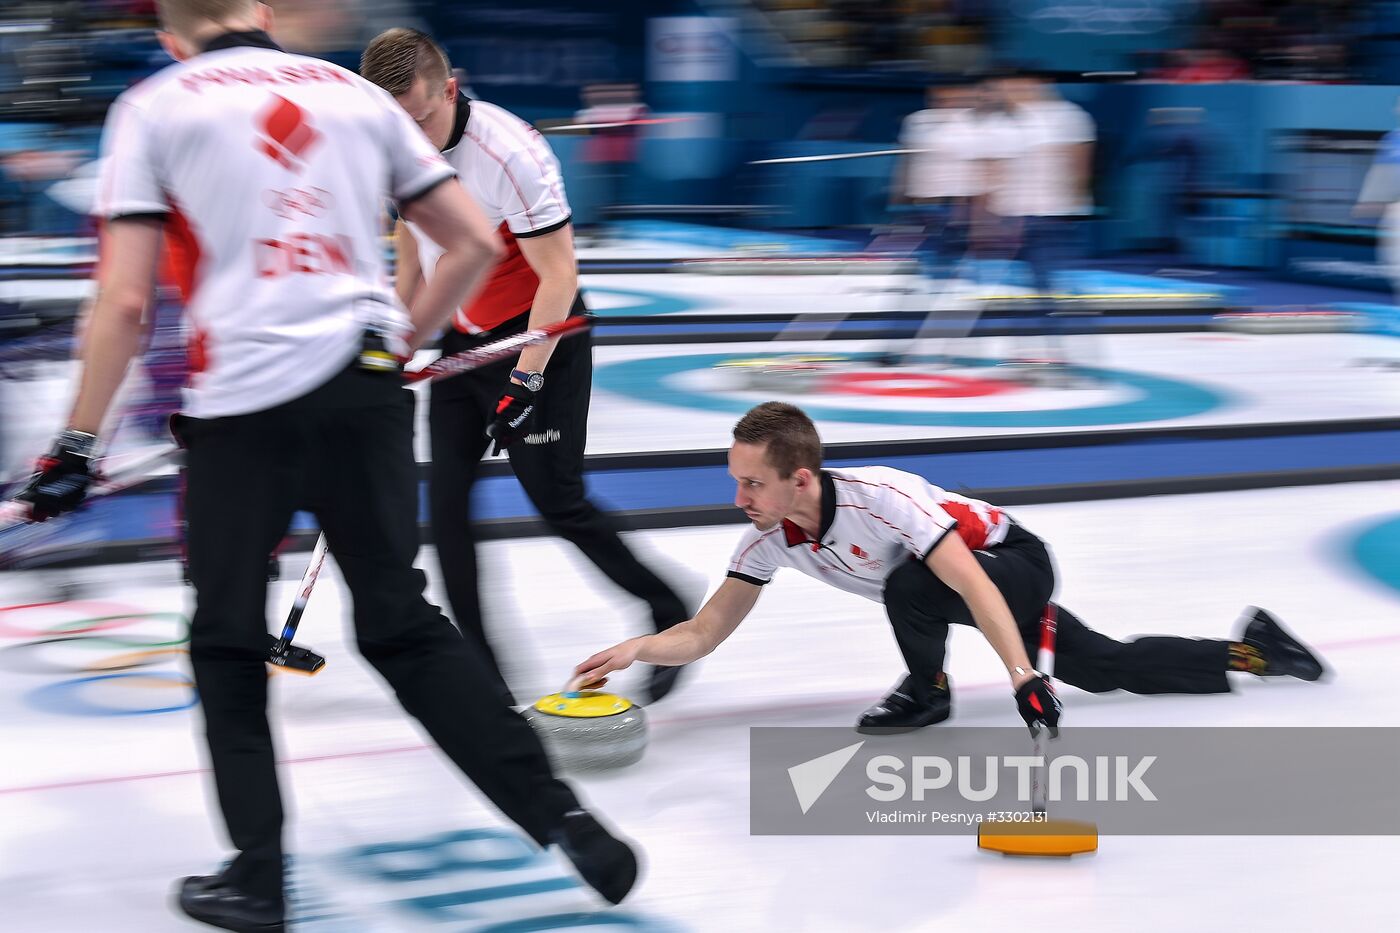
x=583, y=704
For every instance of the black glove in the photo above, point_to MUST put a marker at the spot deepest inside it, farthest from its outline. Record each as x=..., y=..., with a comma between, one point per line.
x=513, y=412
x=1039, y=706
x=61, y=477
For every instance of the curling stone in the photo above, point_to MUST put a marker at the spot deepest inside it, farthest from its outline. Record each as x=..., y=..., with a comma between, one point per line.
x=784, y=373
x=588, y=730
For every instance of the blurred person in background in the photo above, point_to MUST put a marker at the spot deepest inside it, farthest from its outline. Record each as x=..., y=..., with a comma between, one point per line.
x=1203, y=66
x=1044, y=188
x=938, y=180
x=33, y=172
x=534, y=407
x=1175, y=139
x=609, y=154
x=1380, y=198
x=282, y=416
x=14, y=202
x=941, y=176
x=317, y=25
x=992, y=237
x=336, y=30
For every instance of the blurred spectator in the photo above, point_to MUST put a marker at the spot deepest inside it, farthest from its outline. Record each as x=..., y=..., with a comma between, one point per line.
x=1054, y=149
x=994, y=127
x=337, y=30
x=1380, y=195
x=1044, y=190
x=1233, y=39
x=1175, y=140
x=943, y=137
x=945, y=36
x=313, y=26
x=609, y=153
x=1203, y=66
x=1271, y=40
x=615, y=108
x=942, y=174
x=31, y=172
x=14, y=209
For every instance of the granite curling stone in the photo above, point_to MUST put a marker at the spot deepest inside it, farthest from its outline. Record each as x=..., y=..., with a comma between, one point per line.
x=589, y=731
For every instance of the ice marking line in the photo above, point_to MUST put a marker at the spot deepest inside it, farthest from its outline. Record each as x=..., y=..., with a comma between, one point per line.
x=733, y=713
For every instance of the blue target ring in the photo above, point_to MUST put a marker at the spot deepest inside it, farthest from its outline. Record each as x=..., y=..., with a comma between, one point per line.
x=66, y=697
x=1377, y=551
x=641, y=303
x=1157, y=398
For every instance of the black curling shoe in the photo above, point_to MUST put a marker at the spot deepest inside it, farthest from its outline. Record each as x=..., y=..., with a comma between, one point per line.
x=901, y=712
x=1284, y=655
x=607, y=863
x=208, y=899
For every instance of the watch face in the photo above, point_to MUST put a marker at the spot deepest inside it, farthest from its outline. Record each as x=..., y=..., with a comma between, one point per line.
x=534, y=382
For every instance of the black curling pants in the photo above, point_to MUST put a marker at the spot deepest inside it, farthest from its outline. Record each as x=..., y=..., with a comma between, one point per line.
x=343, y=452
x=548, y=462
x=921, y=607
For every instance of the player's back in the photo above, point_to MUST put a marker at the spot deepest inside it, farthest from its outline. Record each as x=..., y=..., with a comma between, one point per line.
x=277, y=164
x=272, y=169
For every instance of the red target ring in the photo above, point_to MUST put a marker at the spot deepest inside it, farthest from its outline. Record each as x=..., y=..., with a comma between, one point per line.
x=917, y=385
x=93, y=616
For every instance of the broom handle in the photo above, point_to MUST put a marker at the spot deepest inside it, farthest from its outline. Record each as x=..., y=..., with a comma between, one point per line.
x=1045, y=658
x=1045, y=663
x=308, y=581
x=504, y=348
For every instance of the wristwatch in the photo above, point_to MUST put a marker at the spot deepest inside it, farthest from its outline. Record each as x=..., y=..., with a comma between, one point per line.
x=79, y=443
x=532, y=381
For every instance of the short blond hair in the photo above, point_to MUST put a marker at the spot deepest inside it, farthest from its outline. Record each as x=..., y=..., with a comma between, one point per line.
x=186, y=16
x=396, y=58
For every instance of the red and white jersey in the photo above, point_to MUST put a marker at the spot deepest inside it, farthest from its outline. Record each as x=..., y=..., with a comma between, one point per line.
x=512, y=174
x=873, y=519
x=271, y=171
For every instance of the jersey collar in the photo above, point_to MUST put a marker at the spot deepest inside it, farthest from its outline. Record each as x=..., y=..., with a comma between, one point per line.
x=793, y=535
x=256, y=39
x=459, y=126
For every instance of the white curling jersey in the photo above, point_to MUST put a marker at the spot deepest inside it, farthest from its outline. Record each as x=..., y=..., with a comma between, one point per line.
x=946, y=163
x=271, y=171
x=511, y=173
x=873, y=519
x=1037, y=180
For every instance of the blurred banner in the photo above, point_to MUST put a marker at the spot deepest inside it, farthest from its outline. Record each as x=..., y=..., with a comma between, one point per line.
x=1092, y=35
x=691, y=48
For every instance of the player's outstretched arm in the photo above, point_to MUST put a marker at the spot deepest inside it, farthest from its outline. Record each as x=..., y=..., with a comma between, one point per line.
x=680, y=644
x=954, y=564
